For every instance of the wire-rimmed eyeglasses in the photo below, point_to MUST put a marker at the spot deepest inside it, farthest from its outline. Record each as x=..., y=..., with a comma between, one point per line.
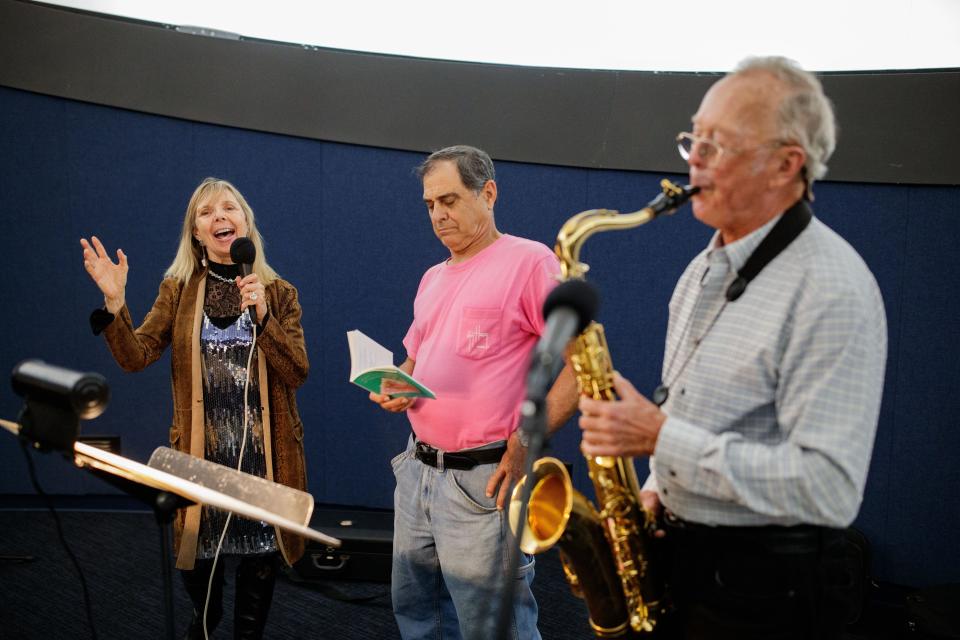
x=709, y=151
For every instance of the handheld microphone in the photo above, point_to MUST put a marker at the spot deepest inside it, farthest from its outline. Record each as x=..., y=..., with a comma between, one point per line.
x=243, y=252
x=569, y=308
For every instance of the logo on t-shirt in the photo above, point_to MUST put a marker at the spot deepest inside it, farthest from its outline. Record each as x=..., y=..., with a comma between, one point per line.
x=479, y=332
x=477, y=339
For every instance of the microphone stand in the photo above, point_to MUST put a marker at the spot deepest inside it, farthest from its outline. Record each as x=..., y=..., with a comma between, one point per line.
x=533, y=420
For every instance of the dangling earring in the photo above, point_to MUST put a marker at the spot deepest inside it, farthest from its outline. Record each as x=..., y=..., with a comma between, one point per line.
x=203, y=256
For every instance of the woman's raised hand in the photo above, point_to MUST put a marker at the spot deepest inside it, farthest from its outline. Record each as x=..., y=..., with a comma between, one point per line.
x=110, y=276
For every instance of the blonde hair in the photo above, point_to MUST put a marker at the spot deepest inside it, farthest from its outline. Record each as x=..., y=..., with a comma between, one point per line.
x=189, y=252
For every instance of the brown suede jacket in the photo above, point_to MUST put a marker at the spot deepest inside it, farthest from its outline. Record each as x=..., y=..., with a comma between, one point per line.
x=176, y=318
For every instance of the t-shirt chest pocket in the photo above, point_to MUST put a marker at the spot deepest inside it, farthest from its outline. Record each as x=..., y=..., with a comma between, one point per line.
x=478, y=333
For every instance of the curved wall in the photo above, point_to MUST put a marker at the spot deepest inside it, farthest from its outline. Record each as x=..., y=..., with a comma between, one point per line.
x=895, y=127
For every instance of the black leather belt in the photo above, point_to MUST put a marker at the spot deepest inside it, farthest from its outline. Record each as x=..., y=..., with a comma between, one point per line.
x=457, y=460
x=772, y=539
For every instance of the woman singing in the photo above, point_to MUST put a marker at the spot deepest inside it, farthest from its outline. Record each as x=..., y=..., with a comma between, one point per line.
x=200, y=311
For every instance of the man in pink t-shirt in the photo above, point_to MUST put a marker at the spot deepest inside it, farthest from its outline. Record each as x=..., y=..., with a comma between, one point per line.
x=476, y=318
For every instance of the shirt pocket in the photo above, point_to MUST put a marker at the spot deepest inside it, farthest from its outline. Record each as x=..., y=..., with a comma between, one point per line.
x=478, y=334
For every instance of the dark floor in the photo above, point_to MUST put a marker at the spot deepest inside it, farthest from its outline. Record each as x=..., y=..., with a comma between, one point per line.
x=120, y=557
x=40, y=597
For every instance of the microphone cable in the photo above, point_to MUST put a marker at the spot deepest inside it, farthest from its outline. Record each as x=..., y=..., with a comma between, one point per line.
x=243, y=444
x=63, y=540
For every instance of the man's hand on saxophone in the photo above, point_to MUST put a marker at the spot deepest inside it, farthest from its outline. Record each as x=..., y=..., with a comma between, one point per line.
x=627, y=427
x=650, y=501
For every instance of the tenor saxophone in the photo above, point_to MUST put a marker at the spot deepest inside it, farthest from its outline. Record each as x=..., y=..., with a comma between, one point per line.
x=605, y=549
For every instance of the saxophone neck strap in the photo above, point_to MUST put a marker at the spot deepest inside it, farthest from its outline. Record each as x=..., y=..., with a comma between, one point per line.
x=785, y=231
x=788, y=227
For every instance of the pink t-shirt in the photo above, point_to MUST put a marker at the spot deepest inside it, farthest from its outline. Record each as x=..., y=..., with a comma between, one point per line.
x=474, y=325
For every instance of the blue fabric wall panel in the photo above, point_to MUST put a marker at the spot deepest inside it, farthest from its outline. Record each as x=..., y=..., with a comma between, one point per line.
x=376, y=244
x=924, y=504
x=532, y=203
x=41, y=173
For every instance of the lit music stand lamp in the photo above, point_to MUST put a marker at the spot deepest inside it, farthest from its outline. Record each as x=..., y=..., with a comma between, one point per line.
x=55, y=401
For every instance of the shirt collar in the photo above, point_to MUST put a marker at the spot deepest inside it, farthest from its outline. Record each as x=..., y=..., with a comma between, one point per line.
x=737, y=253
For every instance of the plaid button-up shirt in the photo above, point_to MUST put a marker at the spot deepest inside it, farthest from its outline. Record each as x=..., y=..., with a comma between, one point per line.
x=772, y=418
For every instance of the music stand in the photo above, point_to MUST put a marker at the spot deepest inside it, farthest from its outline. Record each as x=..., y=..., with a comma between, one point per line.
x=173, y=479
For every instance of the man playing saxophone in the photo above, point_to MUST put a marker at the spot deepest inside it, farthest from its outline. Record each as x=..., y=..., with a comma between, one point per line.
x=761, y=431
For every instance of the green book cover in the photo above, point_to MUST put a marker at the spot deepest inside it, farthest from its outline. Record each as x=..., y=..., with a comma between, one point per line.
x=371, y=367
x=372, y=379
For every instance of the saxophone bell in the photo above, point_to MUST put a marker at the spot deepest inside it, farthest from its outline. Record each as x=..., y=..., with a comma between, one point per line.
x=548, y=511
x=558, y=514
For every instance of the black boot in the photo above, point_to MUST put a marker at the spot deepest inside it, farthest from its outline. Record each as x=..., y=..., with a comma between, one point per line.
x=196, y=582
x=256, y=577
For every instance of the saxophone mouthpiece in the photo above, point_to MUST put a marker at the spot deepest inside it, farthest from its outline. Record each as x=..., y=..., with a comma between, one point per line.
x=672, y=198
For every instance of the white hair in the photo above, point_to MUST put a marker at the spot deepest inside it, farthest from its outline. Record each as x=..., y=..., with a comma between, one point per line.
x=805, y=116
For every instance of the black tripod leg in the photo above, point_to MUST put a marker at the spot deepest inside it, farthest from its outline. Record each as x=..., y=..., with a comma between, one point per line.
x=165, y=507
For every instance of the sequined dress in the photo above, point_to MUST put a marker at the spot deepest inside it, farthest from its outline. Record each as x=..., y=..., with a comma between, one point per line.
x=225, y=340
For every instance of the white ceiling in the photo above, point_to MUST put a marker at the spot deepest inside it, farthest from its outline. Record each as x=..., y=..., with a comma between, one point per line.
x=669, y=35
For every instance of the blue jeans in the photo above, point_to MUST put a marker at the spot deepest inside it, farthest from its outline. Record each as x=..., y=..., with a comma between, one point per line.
x=450, y=555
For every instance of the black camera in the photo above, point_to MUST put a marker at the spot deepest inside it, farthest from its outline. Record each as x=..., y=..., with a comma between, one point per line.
x=56, y=400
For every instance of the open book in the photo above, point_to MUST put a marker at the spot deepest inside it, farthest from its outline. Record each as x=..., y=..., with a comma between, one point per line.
x=371, y=367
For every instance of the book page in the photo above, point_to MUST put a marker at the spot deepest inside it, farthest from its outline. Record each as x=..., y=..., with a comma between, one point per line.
x=366, y=353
